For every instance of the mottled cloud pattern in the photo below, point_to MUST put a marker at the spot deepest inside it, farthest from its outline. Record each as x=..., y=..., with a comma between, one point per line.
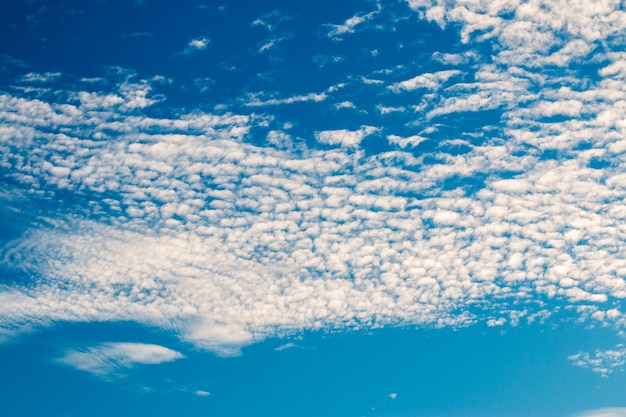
x=180, y=222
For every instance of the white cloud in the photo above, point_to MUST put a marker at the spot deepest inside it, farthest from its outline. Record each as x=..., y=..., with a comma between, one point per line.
x=388, y=109
x=254, y=101
x=108, y=358
x=344, y=137
x=431, y=81
x=410, y=141
x=240, y=242
x=282, y=242
x=198, y=44
x=350, y=25
x=35, y=77
x=393, y=395
x=345, y=105
x=455, y=59
x=603, y=412
x=289, y=345
x=602, y=362
x=201, y=393
x=271, y=20
x=496, y=322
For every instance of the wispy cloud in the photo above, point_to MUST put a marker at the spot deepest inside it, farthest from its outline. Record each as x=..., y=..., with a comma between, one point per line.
x=255, y=101
x=35, y=77
x=270, y=21
x=431, y=81
x=286, y=346
x=603, y=412
x=350, y=25
x=108, y=358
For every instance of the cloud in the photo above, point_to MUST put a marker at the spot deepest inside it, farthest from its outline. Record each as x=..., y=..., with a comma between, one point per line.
x=271, y=20
x=345, y=105
x=201, y=393
x=35, y=77
x=108, y=358
x=195, y=45
x=603, y=412
x=388, y=110
x=254, y=101
x=285, y=346
x=199, y=43
x=431, y=81
x=350, y=25
x=411, y=141
x=602, y=362
x=343, y=137
x=138, y=35
x=241, y=241
x=393, y=395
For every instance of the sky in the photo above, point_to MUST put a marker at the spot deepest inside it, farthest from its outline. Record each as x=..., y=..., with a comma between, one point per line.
x=378, y=208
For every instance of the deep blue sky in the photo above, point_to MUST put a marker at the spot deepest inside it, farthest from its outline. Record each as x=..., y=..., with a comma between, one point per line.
x=355, y=208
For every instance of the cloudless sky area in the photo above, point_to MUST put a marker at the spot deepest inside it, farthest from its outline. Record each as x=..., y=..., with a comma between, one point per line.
x=391, y=208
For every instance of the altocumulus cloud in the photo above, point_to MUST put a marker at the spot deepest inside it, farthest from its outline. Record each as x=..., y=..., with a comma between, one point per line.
x=186, y=225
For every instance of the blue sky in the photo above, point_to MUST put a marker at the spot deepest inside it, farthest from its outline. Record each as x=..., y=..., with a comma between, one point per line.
x=356, y=208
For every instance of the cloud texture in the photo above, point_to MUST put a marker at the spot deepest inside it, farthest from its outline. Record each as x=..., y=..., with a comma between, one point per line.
x=179, y=221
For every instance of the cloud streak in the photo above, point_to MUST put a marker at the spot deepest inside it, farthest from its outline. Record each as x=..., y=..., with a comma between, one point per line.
x=108, y=358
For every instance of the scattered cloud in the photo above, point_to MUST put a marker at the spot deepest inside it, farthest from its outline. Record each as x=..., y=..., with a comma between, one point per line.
x=242, y=241
x=602, y=362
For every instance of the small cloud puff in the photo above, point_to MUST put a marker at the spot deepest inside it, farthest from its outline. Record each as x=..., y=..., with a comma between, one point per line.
x=201, y=393
x=195, y=45
x=200, y=43
x=106, y=358
x=393, y=395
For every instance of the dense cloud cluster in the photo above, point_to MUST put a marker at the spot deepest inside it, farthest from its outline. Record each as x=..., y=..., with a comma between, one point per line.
x=181, y=222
